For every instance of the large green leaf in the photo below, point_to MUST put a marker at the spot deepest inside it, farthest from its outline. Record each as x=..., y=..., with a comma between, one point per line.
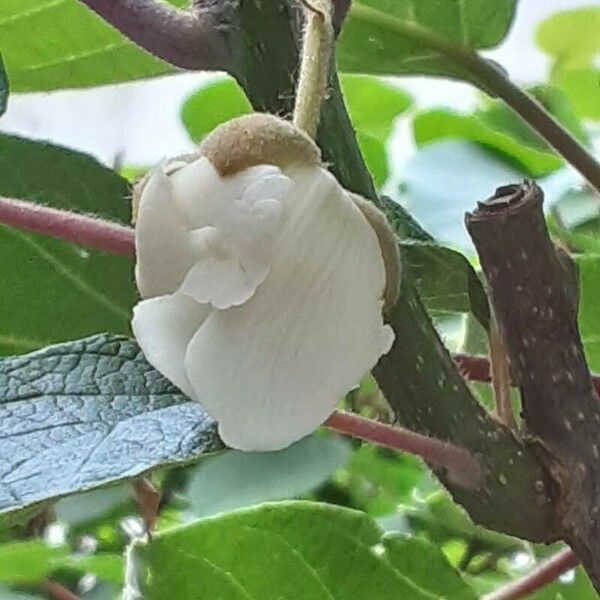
x=51, y=290
x=239, y=479
x=427, y=567
x=291, y=550
x=50, y=45
x=85, y=414
x=390, y=37
x=373, y=106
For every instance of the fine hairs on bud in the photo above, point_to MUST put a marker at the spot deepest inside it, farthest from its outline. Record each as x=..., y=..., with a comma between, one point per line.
x=317, y=49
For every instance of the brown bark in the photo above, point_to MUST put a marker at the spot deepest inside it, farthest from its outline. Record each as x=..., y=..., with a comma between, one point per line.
x=534, y=294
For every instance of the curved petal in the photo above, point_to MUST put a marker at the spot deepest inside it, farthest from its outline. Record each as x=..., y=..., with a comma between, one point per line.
x=272, y=370
x=206, y=198
x=220, y=276
x=163, y=247
x=163, y=327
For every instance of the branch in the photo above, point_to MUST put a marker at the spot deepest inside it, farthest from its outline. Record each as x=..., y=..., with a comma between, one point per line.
x=541, y=576
x=68, y=226
x=534, y=294
x=534, y=113
x=193, y=39
x=493, y=81
x=460, y=466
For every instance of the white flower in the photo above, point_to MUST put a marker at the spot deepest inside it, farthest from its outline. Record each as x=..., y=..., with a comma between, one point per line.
x=263, y=283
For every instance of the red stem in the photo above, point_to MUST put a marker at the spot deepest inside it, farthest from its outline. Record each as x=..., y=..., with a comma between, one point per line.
x=68, y=226
x=190, y=39
x=542, y=575
x=461, y=467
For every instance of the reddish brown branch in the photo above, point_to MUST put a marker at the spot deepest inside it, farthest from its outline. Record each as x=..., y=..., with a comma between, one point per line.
x=68, y=226
x=534, y=293
x=541, y=576
x=459, y=464
x=192, y=39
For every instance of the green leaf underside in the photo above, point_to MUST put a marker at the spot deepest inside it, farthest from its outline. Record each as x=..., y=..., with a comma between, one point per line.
x=88, y=413
x=440, y=124
x=236, y=479
x=291, y=550
x=53, y=290
x=55, y=44
x=391, y=37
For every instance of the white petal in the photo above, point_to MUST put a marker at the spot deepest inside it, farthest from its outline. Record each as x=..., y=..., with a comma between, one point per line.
x=206, y=198
x=220, y=276
x=233, y=253
x=163, y=327
x=274, y=369
x=163, y=247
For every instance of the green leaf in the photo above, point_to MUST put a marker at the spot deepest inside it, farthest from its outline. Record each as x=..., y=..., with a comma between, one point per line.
x=53, y=290
x=571, y=37
x=212, y=105
x=239, y=479
x=105, y=566
x=589, y=308
x=3, y=87
x=393, y=37
x=32, y=561
x=427, y=566
x=86, y=414
x=582, y=87
x=49, y=45
x=378, y=481
x=441, y=124
x=373, y=106
x=446, y=281
x=308, y=550
x=498, y=115
x=442, y=519
x=28, y=562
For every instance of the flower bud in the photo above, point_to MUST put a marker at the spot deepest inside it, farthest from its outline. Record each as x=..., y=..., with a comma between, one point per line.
x=262, y=280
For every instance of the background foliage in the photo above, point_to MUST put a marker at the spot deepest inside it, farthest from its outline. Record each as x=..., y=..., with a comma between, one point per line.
x=362, y=516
